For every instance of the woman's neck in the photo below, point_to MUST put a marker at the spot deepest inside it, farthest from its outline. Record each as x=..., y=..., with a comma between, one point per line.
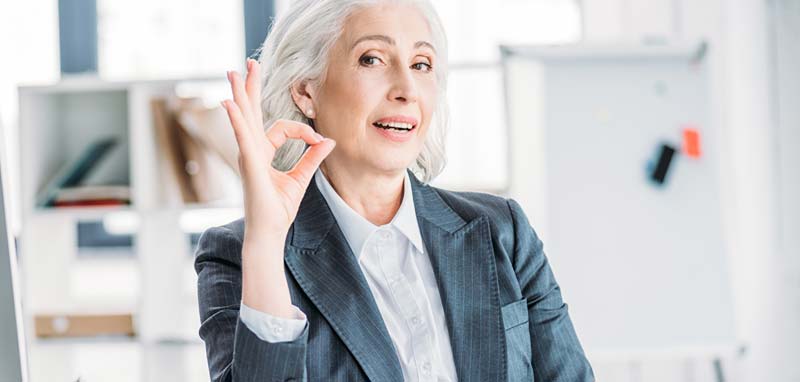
x=376, y=197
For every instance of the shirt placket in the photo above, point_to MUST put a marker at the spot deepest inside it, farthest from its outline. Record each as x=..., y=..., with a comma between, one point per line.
x=406, y=303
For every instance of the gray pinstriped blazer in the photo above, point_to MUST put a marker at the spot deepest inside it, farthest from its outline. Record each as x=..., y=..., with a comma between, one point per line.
x=504, y=311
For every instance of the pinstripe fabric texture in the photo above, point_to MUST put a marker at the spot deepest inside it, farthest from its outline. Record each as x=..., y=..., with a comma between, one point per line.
x=505, y=314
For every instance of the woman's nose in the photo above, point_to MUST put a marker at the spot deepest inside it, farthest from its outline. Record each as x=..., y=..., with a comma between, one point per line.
x=404, y=88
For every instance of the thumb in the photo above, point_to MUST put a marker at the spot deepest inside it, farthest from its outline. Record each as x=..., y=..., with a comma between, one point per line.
x=303, y=171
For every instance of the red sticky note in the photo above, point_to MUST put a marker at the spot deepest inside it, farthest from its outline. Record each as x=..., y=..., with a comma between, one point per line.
x=691, y=142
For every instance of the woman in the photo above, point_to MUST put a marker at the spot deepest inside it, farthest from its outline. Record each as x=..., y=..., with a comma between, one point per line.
x=350, y=268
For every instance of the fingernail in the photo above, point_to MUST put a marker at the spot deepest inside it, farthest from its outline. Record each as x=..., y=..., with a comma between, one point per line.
x=228, y=73
x=222, y=103
x=320, y=138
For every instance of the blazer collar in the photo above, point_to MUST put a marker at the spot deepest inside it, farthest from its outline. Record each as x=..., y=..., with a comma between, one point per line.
x=314, y=217
x=357, y=229
x=322, y=262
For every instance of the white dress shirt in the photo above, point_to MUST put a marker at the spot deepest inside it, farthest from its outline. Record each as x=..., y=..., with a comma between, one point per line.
x=399, y=273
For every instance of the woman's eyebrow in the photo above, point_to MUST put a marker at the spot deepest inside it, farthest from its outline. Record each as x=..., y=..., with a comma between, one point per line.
x=419, y=44
x=390, y=41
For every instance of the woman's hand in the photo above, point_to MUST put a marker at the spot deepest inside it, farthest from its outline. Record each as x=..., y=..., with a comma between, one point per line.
x=271, y=197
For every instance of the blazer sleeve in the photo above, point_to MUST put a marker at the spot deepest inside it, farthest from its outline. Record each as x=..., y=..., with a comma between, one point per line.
x=557, y=352
x=234, y=352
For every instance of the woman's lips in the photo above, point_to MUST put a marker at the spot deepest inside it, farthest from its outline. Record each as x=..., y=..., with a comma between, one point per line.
x=398, y=118
x=396, y=135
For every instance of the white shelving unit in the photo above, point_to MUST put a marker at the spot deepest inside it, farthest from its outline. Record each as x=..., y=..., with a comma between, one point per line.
x=57, y=123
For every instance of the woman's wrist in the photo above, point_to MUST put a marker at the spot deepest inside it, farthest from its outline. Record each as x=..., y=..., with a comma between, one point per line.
x=264, y=285
x=265, y=239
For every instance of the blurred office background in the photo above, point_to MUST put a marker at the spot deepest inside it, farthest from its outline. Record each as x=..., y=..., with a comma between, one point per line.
x=653, y=144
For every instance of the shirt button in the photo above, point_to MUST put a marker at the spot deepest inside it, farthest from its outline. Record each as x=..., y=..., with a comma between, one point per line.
x=415, y=320
x=386, y=235
x=277, y=329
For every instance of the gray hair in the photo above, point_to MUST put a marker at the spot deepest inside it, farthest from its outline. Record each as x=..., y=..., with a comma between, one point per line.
x=297, y=48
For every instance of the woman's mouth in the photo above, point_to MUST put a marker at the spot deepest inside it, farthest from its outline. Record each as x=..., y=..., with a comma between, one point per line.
x=399, y=126
x=395, y=131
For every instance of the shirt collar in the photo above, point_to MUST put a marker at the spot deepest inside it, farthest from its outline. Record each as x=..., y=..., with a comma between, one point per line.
x=357, y=229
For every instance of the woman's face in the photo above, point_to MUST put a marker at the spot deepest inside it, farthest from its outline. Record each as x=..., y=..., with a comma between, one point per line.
x=380, y=72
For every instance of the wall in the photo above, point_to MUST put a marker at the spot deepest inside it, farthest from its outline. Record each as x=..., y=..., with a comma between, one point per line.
x=785, y=23
x=754, y=170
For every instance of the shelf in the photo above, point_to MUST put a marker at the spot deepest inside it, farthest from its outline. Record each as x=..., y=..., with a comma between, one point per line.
x=57, y=124
x=58, y=129
x=80, y=84
x=82, y=212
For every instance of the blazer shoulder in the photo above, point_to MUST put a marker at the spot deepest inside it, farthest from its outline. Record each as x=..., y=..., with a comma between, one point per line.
x=471, y=204
x=223, y=242
x=235, y=227
x=232, y=230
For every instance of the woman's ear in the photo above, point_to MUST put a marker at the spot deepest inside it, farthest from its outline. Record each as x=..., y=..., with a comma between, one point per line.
x=303, y=94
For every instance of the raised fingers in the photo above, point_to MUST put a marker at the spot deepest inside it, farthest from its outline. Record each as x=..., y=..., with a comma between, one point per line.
x=243, y=134
x=253, y=89
x=240, y=96
x=283, y=129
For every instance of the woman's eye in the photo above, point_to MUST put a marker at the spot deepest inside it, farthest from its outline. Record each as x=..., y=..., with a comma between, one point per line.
x=429, y=67
x=364, y=60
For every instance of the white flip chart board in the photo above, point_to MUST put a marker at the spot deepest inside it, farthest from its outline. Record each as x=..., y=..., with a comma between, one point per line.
x=641, y=266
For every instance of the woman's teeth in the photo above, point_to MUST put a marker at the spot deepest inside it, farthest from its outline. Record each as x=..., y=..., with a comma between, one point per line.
x=394, y=125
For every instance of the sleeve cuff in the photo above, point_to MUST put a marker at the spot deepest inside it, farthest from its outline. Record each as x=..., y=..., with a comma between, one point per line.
x=273, y=329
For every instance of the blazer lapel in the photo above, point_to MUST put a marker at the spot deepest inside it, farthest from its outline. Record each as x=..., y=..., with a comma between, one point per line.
x=328, y=272
x=463, y=262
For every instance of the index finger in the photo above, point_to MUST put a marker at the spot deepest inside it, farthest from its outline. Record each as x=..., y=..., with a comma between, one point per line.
x=284, y=129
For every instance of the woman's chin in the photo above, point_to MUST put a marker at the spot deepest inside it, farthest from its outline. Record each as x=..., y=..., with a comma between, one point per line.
x=393, y=164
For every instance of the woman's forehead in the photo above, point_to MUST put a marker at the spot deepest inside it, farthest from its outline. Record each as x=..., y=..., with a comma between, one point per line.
x=391, y=24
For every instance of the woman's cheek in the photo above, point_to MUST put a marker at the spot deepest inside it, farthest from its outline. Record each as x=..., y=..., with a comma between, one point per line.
x=363, y=91
x=431, y=100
